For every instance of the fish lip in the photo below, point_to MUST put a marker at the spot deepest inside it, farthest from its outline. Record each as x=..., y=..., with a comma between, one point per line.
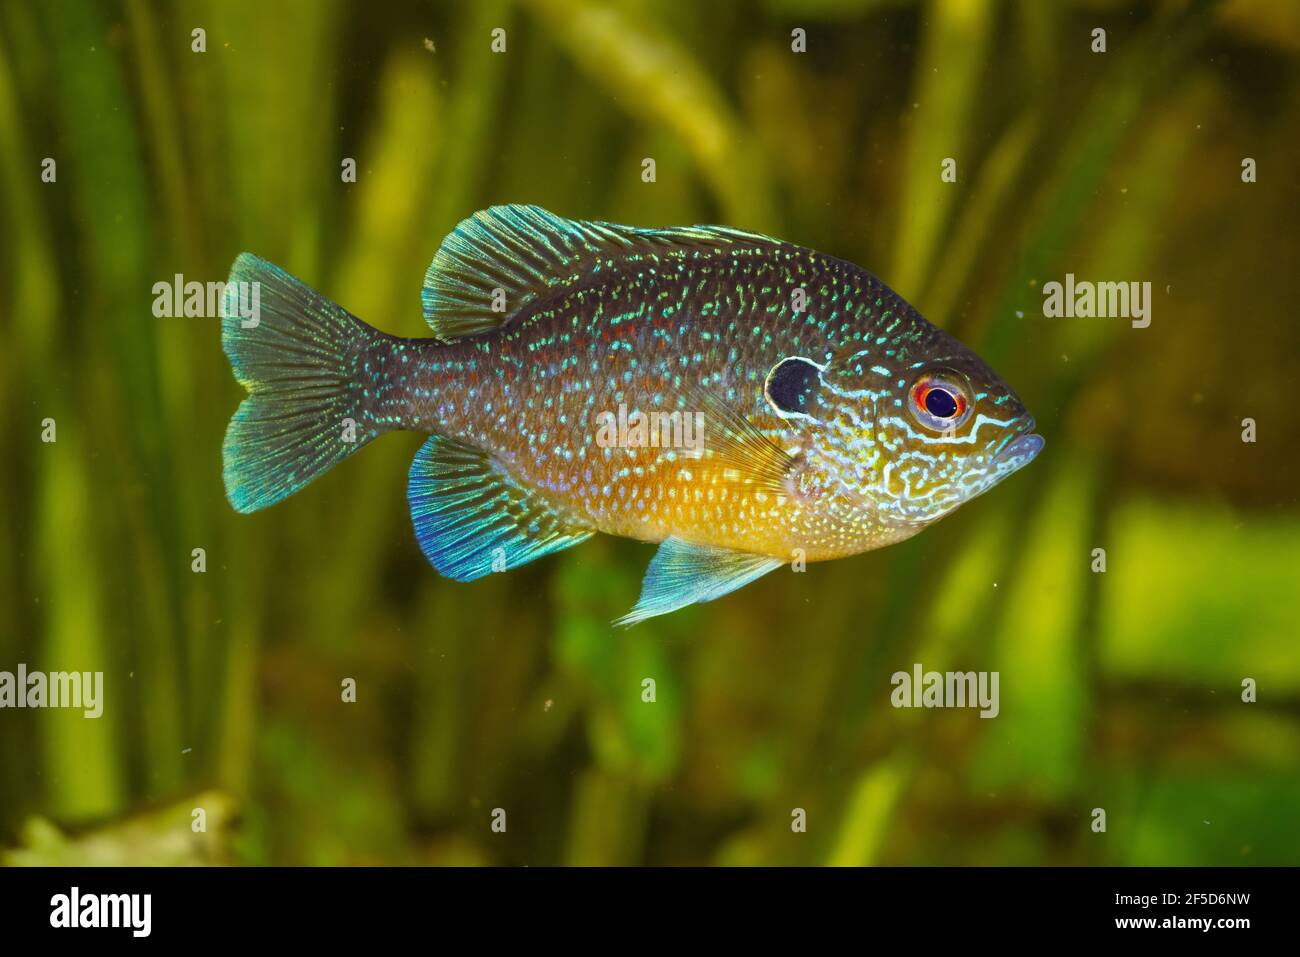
x=1023, y=449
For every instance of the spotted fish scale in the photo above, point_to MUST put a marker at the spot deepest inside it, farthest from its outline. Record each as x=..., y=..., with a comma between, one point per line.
x=739, y=400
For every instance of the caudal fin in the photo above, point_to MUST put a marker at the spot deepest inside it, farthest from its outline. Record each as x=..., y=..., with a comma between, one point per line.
x=298, y=355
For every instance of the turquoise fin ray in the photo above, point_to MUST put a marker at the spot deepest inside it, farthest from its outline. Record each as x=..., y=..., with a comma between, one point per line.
x=524, y=251
x=471, y=518
x=682, y=574
x=296, y=358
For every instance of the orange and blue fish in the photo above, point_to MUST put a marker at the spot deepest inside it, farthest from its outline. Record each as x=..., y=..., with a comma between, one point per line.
x=739, y=401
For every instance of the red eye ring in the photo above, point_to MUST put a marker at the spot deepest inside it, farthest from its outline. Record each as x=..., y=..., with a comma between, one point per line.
x=952, y=408
x=939, y=402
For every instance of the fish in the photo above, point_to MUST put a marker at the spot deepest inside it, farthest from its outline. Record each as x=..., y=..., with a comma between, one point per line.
x=739, y=401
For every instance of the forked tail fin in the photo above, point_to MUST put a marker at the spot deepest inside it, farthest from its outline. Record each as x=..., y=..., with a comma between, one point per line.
x=301, y=358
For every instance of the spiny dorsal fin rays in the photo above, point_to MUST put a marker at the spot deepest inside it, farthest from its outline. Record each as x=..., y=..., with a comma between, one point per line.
x=524, y=251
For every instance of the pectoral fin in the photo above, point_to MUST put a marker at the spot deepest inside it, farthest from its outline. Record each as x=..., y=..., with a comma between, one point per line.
x=749, y=459
x=682, y=574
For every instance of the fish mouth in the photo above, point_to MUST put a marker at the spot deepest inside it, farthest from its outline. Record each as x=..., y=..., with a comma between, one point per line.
x=1020, y=451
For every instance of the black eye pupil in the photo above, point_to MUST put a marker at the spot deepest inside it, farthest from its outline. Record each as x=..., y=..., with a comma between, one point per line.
x=940, y=403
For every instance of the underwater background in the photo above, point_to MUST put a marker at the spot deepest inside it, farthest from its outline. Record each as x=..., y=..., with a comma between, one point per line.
x=1120, y=690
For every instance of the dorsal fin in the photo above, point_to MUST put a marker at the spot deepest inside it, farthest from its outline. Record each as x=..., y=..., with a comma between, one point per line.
x=524, y=251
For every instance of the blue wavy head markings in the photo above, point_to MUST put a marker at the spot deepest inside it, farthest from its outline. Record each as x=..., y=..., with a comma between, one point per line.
x=915, y=425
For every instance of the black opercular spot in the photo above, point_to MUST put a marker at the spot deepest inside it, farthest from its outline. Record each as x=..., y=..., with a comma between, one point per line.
x=791, y=385
x=941, y=403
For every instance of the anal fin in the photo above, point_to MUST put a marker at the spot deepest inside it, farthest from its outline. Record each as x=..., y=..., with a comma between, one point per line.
x=682, y=574
x=472, y=518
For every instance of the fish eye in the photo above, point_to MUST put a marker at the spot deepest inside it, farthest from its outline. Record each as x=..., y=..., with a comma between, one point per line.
x=791, y=385
x=940, y=400
x=940, y=403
